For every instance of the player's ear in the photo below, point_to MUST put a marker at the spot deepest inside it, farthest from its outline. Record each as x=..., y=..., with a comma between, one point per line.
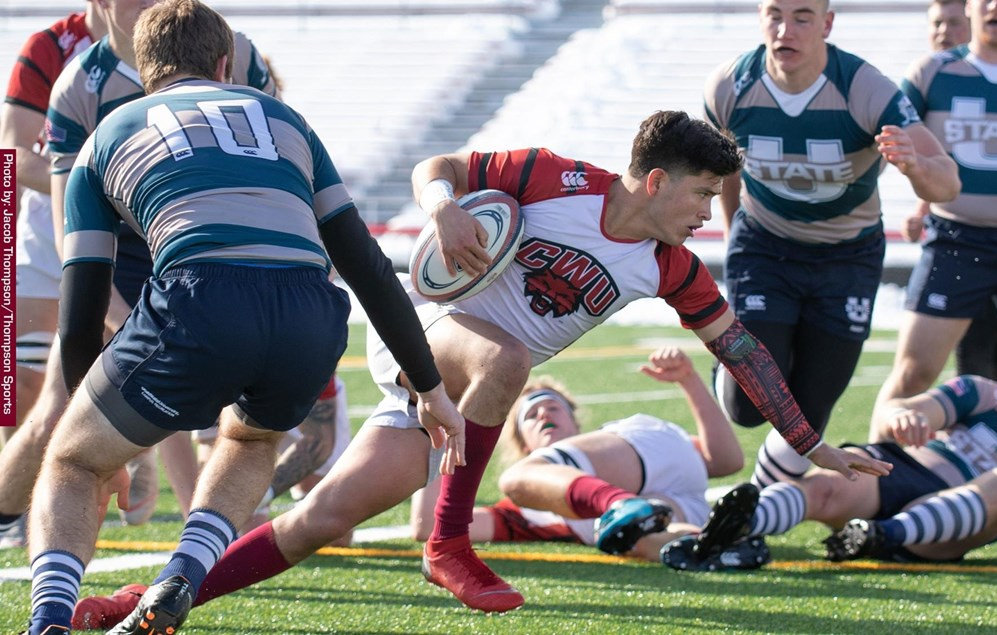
x=655, y=180
x=828, y=23
x=221, y=70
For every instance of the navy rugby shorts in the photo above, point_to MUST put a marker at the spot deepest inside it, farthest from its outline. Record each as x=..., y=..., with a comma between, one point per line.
x=957, y=272
x=909, y=480
x=203, y=336
x=832, y=287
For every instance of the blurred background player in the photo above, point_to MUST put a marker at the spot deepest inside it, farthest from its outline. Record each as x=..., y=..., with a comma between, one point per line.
x=94, y=83
x=22, y=123
x=235, y=313
x=976, y=352
x=939, y=502
x=650, y=473
x=955, y=280
x=805, y=246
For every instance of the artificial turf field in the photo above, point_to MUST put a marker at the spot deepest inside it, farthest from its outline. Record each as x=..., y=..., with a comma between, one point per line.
x=377, y=587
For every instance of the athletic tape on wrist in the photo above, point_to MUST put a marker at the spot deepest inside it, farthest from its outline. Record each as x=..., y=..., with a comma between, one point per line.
x=434, y=193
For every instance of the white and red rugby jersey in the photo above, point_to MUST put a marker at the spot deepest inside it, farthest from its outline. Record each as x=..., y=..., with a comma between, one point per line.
x=42, y=58
x=569, y=275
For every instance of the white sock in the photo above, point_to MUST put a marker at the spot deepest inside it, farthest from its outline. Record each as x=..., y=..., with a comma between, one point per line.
x=781, y=507
x=777, y=461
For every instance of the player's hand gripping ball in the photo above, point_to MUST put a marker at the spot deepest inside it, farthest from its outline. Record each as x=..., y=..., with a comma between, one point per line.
x=499, y=214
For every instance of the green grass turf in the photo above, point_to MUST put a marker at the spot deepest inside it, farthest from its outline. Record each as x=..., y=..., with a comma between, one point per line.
x=355, y=594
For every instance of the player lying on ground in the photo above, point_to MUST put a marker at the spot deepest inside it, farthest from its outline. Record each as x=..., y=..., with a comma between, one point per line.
x=640, y=474
x=939, y=502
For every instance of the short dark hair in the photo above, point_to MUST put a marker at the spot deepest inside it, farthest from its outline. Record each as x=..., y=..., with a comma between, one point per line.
x=181, y=37
x=670, y=140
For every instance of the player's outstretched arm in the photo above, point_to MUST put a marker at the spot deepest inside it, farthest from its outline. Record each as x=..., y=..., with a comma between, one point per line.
x=754, y=369
x=85, y=293
x=715, y=439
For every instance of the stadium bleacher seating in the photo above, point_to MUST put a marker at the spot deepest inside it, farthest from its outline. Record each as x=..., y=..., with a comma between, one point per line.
x=385, y=82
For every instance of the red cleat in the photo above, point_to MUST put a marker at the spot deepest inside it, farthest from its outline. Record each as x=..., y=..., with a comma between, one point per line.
x=105, y=611
x=453, y=565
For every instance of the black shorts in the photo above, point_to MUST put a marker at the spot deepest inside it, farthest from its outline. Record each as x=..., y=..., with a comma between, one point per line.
x=832, y=287
x=204, y=336
x=957, y=272
x=909, y=480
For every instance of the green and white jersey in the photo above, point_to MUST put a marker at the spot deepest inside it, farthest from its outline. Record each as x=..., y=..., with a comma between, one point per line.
x=956, y=94
x=97, y=81
x=205, y=172
x=811, y=164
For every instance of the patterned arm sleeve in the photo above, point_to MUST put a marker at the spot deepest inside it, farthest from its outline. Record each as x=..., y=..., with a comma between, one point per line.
x=754, y=369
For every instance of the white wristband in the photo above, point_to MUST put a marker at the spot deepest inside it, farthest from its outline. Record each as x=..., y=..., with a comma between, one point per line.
x=434, y=193
x=811, y=450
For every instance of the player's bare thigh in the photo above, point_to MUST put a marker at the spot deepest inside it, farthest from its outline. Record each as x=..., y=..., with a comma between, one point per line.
x=470, y=352
x=87, y=439
x=380, y=468
x=925, y=344
x=834, y=500
x=614, y=460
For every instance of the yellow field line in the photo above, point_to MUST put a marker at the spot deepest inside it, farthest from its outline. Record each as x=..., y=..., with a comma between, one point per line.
x=581, y=558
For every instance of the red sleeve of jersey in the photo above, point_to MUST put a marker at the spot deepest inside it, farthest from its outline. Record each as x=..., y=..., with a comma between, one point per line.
x=38, y=65
x=511, y=526
x=535, y=174
x=686, y=284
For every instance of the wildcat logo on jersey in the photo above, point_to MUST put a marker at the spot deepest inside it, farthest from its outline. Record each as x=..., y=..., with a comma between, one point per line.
x=969, y=133
x=823, y=177
x=561, y=279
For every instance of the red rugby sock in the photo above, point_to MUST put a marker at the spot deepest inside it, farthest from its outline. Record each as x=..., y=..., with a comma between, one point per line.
x=590, y=497
x=455, y=506
x=248, y=560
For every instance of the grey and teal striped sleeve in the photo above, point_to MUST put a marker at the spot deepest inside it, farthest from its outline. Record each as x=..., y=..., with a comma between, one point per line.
x=91, y=221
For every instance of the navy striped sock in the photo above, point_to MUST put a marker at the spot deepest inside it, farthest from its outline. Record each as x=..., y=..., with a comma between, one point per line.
x=953, y=515
x=203, y=541
x=55, y=587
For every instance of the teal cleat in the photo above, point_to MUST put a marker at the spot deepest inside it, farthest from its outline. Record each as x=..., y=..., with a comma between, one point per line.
x=628, y=520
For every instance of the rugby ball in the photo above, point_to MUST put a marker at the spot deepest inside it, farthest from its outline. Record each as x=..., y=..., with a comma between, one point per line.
x=499, y=214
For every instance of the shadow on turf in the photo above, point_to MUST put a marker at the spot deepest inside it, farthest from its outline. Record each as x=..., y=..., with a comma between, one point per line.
x=669, y=597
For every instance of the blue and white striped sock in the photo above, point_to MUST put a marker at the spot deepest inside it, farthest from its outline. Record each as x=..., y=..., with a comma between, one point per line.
x=778, y=461
x=950, y=516
x=55, y=587
x=780, y=508
x=8, y=522
x=204, y=539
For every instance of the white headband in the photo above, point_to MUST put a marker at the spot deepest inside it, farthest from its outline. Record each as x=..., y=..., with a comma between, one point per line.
x=536, y=397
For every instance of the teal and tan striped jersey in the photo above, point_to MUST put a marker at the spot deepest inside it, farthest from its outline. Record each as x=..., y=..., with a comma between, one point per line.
x=204, y=171
x=811, y=164
x=96, y=82
x=956, y=95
